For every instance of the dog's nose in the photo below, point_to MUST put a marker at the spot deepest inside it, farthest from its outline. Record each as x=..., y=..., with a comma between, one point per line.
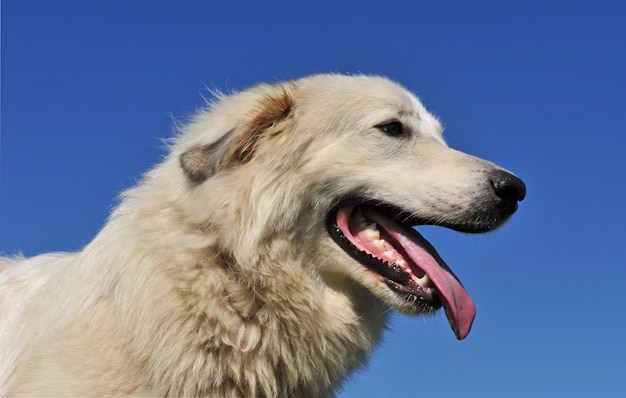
x=508, y=187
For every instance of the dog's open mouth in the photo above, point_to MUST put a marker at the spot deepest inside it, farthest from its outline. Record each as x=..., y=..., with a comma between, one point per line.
x=382, y=239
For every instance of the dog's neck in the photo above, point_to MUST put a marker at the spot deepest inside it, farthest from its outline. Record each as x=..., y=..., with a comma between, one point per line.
x=310, y=342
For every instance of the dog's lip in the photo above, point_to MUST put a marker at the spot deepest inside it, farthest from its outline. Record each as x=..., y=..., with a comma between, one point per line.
x=421, y=258
x=397, y=277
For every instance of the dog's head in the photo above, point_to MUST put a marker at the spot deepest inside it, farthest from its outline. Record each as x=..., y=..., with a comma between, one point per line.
x=344, y=167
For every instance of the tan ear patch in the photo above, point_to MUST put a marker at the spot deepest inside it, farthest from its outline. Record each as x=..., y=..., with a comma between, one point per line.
x=266, y=123
x=196, y=164
x=202, y=161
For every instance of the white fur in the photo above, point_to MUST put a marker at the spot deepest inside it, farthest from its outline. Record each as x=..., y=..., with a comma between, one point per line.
x=230, y=285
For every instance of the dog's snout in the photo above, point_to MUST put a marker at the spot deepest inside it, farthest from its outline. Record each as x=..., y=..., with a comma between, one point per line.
x=508, y=187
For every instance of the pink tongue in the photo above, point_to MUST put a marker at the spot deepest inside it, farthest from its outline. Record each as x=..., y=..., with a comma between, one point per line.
x=459, y=308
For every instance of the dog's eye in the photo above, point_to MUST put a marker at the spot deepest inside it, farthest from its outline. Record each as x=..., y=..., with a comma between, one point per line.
x=394, y=128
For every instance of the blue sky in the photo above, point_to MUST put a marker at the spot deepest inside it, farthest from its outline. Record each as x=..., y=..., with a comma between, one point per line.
x=89, y=89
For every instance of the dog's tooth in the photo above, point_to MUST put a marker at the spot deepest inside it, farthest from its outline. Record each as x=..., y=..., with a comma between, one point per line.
x=424, y=281
x=401, y=263
x=373, y=234
x=389, y=255
x=380, y=244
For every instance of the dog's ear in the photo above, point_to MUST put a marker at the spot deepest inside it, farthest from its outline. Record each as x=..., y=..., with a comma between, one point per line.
x=239, y=145
x=268, y=123
x=202, y=161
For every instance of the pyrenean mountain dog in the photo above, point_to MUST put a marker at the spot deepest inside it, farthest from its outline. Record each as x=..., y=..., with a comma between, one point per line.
x=261, y=257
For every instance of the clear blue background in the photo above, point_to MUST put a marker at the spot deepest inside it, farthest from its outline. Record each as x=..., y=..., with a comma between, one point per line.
x=89, y=88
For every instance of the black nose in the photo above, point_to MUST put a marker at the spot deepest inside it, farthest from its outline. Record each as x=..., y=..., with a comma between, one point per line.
x=508, y=187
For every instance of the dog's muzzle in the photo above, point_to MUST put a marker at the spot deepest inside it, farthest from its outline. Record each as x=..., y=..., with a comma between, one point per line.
x=380, y=236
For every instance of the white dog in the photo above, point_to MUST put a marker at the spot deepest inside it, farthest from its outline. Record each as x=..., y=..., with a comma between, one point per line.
x=261, y=257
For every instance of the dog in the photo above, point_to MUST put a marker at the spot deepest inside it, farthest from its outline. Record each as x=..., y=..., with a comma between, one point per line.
x=262, y=256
